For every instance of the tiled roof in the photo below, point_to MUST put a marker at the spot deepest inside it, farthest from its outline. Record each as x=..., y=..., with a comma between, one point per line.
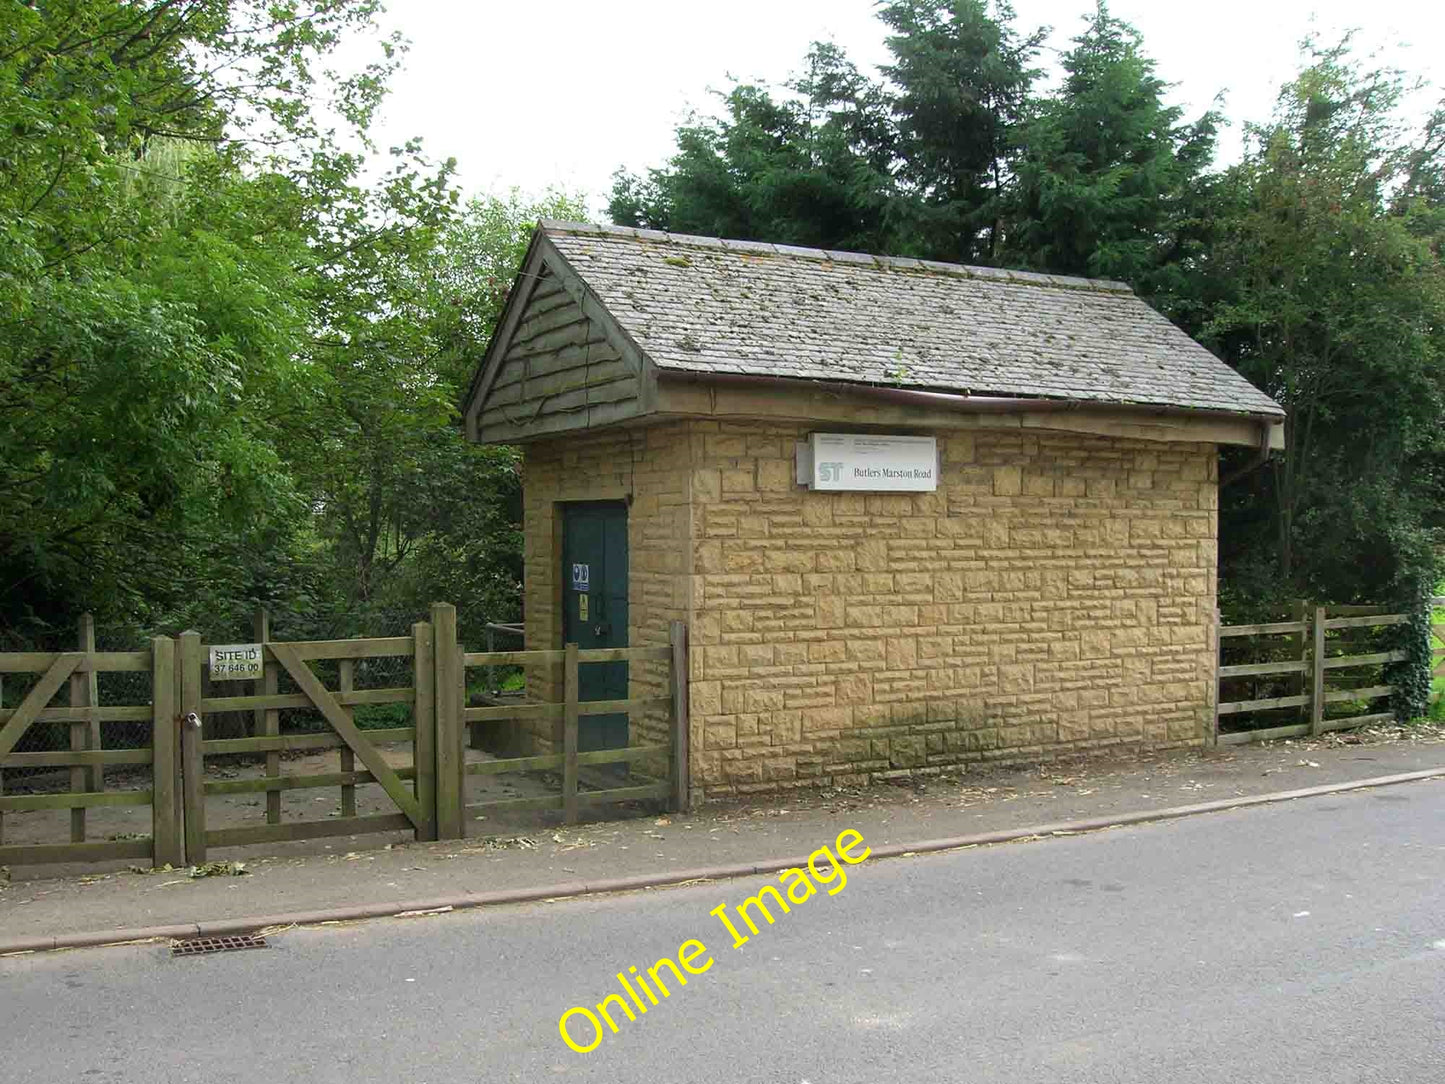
x=704, y=305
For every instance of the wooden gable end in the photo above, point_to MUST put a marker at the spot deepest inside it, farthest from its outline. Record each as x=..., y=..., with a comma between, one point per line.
x=560, y=368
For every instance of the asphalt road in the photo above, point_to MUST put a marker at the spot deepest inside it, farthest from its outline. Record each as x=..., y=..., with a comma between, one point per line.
x=1303, y=942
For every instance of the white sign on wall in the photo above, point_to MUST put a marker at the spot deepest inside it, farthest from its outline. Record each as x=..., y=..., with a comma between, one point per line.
x=866, y=461
x=236, y=662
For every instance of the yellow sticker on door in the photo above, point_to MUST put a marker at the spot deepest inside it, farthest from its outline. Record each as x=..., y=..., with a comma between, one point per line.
x=581, y=607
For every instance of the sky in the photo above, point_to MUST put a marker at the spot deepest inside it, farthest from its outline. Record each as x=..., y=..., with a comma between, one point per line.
x=562, y=93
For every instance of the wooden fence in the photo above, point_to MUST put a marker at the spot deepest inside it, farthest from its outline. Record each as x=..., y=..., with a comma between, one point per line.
x=565, y=716
x=86, y=759
x=421, y=768
x=1308, y=643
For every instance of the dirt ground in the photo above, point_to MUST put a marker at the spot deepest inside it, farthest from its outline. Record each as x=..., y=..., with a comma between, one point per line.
x=239, y=810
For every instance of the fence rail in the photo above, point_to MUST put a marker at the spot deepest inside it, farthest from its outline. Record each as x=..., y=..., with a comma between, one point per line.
x=1310, y=644
x=192, y=721
x=567, y=715
x=74, y=675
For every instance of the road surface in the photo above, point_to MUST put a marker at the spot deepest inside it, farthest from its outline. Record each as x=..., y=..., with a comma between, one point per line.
x=1301, y=942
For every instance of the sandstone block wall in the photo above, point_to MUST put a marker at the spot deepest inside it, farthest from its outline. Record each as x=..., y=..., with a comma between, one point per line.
x=1056, y=594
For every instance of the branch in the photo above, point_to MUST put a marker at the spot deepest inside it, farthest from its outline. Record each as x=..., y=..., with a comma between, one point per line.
x=59, y=172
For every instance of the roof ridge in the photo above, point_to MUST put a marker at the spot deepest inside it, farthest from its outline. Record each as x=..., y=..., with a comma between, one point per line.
x=895, y=263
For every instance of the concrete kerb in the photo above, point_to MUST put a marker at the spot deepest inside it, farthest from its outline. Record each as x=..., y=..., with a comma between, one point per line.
x=235, y=926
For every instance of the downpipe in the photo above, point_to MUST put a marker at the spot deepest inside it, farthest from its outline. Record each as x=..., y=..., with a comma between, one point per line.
x=1259, y=459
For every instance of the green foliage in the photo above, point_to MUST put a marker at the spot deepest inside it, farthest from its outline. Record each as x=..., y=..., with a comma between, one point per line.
x=919, y=164
x=963, y=80
x=382, y=716
x=1313, y=267
x=1412, y=677
x=808, y=168
x=413, y=512
x=1331, y=304
x=1108, y=172
x=232, y=349
x=160, y=280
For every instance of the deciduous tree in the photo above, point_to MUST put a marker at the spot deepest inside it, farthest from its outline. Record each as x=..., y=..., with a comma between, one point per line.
x=1337, y=309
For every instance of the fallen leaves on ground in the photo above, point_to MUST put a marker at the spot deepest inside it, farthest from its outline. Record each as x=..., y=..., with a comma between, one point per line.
x=575, y=843
x=217, y=869
x=146, y=871
x=495, y=843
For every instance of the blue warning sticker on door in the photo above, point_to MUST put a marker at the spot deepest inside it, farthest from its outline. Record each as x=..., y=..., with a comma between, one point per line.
x=581, y=577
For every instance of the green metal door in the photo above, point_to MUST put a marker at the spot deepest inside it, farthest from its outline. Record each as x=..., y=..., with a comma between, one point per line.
x=594, y=610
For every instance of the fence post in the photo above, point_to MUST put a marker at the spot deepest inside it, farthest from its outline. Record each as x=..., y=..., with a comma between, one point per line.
x=92, y=699
x=1317, y=694
x=1214, y=735
x=424, y=718
x=2, y=770
x=450, y=676
x=165, y=757
x=345, y=683
x=491, y=679
x=569, y=734
x=677, y=636
x=193, y=780
x=1302, y=615
x=82, y=777
x=267, y=721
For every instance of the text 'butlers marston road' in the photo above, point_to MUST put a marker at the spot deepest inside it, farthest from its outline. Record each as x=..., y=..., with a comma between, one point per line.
x=922, y=473
x=692, y=955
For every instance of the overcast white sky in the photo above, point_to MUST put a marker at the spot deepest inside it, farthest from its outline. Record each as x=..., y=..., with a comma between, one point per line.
x=562, y=92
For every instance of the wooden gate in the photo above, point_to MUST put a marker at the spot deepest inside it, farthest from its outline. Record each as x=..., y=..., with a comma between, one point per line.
x=329, y=715
x=381, y=720
x=86, y=758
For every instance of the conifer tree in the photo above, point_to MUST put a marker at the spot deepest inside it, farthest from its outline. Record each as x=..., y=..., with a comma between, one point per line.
x=806, y=163
x=1109, y=180
x=962, y=76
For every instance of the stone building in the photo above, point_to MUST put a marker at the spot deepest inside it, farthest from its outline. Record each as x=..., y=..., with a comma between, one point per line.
x=1050, y=588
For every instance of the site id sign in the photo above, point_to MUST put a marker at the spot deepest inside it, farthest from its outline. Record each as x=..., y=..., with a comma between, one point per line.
x=866, y=461
x=237, y=662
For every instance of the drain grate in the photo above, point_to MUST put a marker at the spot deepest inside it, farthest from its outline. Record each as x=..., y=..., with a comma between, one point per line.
x=201, y=946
